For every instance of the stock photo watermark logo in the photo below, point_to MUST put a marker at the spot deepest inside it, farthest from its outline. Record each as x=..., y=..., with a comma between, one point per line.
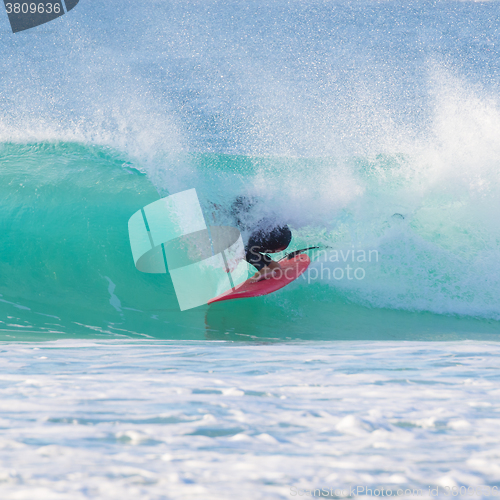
x=170, y=235
x=338, y=265
x=434, y=491
x=26, y=15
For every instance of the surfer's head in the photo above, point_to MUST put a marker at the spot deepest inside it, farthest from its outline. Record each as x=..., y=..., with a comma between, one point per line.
x=279, y=239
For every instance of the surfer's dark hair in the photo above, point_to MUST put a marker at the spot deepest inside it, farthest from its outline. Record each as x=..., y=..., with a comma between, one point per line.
x=263, y=242
x=271, y=240
x=279, y=237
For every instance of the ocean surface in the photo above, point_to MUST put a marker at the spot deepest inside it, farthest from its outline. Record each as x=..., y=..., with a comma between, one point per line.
x=372, y=128
x=188, y=419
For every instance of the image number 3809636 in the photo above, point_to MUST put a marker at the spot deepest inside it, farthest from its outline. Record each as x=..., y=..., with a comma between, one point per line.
x=24, y=15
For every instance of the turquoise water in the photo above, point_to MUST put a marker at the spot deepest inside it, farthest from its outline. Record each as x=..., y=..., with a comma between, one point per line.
x=372, y=129
x=67, y=268
x=337, y=116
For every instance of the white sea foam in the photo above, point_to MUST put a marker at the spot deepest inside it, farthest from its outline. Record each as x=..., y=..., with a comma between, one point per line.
x=153, y=419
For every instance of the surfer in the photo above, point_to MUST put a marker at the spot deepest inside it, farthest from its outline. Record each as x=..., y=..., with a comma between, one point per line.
x=266, y=237
x=260, y=244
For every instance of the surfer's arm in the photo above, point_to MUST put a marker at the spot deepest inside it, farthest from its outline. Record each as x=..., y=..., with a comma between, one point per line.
x=266, y=272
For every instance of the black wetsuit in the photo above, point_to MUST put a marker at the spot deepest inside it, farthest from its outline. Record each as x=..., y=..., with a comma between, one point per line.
x=268, y=238
x=262, y=242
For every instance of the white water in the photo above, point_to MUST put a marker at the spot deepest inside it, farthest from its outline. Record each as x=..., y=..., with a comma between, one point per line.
x=156, y=420
x=400, y=103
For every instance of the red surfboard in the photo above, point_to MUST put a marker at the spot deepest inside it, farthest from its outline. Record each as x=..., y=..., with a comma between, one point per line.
x=291, y=269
